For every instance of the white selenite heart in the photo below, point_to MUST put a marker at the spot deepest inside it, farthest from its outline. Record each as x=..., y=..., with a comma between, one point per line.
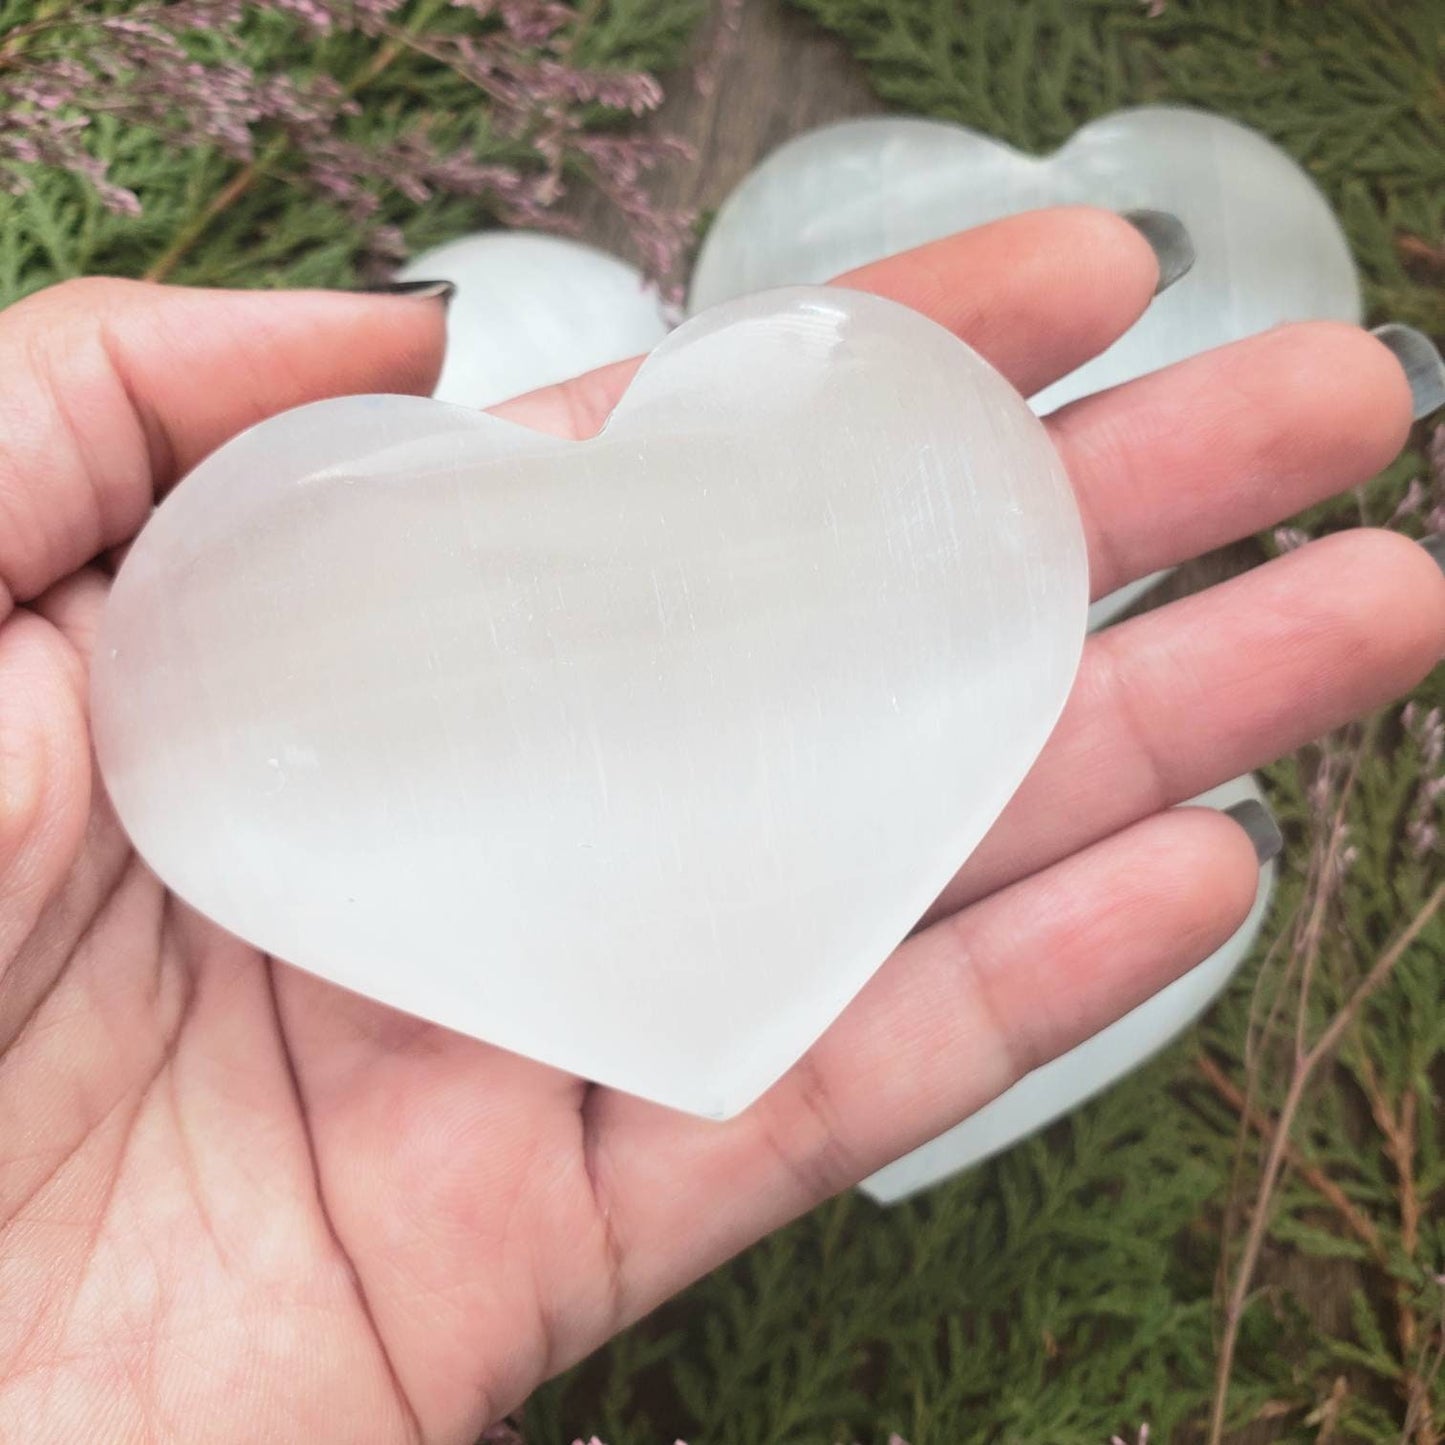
x=1268, y=248
x=636, y=755
x=1065, y=1082
x=552, y=310
x=532, y=309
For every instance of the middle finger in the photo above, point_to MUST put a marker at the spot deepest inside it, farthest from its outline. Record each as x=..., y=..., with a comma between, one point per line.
x=1227, y=443
x=1174, y=702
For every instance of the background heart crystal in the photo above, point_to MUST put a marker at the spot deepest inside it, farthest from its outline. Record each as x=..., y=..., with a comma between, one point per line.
x=531, y=310
x=1268, y=248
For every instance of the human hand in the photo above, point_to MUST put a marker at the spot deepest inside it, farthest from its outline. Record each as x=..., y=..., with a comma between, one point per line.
x=239, y=1203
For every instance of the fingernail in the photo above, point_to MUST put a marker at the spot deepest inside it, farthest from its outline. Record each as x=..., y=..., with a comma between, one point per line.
x=1435, y=546
x=442, y=291
x=1169, y=241
x=1422, y=363
x=1258, y=822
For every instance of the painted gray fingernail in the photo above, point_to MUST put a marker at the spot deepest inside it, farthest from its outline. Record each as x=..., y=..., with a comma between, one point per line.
x=1258, y=822
x=1435, y=546
x=1422, y=363
x=442, y=291
x=1169, y=241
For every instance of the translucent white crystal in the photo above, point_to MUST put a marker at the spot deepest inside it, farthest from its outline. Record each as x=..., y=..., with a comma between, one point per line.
x=636, y=755
x=1269, y=249
x=532, y=309
x=1062, y=1084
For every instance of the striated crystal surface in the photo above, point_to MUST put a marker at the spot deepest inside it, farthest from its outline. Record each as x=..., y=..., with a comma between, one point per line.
x=532, y=309
x=636, y=755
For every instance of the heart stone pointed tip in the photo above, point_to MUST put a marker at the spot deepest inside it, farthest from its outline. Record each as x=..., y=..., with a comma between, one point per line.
x=635, y=755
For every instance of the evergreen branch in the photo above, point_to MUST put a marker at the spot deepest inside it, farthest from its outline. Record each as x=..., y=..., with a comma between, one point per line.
x=1417, y=1416
x=1322, y=1049
x=1400, y=1142
x=189, y=234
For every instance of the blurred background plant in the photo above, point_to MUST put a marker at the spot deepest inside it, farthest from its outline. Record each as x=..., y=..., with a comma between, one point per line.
x=1244, y=1240
x=302, y=141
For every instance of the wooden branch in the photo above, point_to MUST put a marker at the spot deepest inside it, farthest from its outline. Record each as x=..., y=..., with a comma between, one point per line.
x=1354, y=1218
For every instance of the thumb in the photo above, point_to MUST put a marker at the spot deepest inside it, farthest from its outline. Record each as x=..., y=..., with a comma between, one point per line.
x=114, y=389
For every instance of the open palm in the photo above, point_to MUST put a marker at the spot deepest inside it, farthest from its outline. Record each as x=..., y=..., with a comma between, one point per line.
x=239, y=1203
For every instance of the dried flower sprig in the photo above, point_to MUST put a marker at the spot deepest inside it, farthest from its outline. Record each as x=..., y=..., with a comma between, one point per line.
x=179, y=68
x=1307, y=1062
x=1426, y=730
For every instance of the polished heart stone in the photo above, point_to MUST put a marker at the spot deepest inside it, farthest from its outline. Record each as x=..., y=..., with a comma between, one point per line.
x=531, y=310
x=636, y=755
x=1268, y=248
x=1064, y=1083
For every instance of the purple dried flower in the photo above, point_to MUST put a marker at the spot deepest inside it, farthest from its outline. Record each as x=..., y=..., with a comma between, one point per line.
x=1411, y=503
x=141, y=69
x=311, y=13
x=1426, y=813
x=1435, y=459
x=529, y=22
